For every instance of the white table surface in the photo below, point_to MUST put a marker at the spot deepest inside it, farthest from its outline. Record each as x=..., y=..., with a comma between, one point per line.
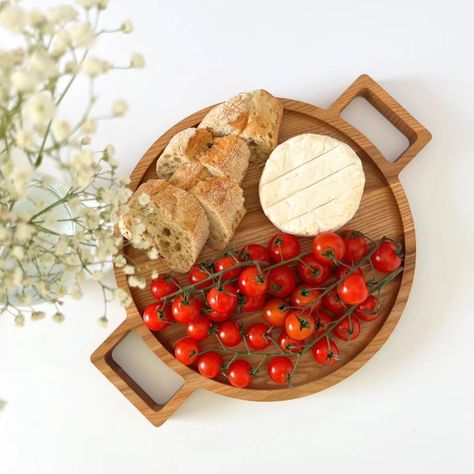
x=408, y=410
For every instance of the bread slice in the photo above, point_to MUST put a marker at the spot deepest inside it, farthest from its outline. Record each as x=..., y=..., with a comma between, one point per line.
x=223, y=200
x=186, y=176
x=228, y=156
x=172, y=221
x=185, y=147
x=254, y=116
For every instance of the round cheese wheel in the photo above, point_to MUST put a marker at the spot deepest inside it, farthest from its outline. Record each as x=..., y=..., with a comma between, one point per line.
x=310, y=184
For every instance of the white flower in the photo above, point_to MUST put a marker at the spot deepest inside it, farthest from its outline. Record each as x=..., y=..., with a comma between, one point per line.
x=76, y=294
x=125, y=181
x=89, y=125
x=143, y=199
x=37, y=315
x=137, y=61
x=5, y=234
x=128, y=270
x=120, y=261
x=20, y=178
x=95, y=66
x=42, y=65
x=12, y=18
x=17, y=276
x=119, y=108
x=61, y=129
x=153, y=254
x=39, y=108
x=136, y=282
x=155, y=274
x=35, y=18
x=23, y=81
x=103, y=321
x=127, y=26
x=23, y=138
x=58, y=317
x=82, y=35
x=122, y=297
x=60, y=43
x=61, y=14
x=101, y=4
x=24, y=232
x=20, y=320
x=18, y=252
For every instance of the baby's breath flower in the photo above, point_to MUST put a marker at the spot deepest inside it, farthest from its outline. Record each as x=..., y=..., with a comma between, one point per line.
x=61, y=129
x=120, y=261
x=119, y=108
x=82, y=35
x=23, y=138
x=153, y=254
x=155, y=274
x=23, y=81
x=122, y=297
x=137, y=282
x=61, y=14
x=128, y=270
x=60, y=43
x=42, y=65
x=103, y=321
x=58, y=317
x=137, y=61
x=20, y=320
x=35, y=18
x=24, y=232
x=37, y=315
x=18, y=252
x=95, y=66
x=89, y=125
x=39, y=108
x=76, y=294
x=109, y=152
x=127, y=26
x=12, y=18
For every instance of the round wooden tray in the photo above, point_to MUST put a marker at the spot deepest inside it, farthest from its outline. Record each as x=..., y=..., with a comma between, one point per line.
x=384, y=210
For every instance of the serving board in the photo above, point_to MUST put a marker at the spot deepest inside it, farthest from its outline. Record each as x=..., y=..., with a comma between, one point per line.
x=384, y=210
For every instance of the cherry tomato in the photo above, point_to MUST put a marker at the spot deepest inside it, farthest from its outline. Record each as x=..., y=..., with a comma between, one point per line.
x=200, y=272
x=325, y=352
x=229, y=333
x=323, y=322
x=227, y=262
x=299, y=325
x=328, y=247
x=275, y=312
x=252, y=303
x=255, y=253
x=342, y=271
x=217, y=317
x=282, y=281
x=311, y=271
x=252, y=282
x=356, y=246
x=353, y=290
x=186, y=351
x=198, y=328
x=283, y=247
x=223, y=300
x=279, y=369
x=164, y=285
x=209, y=364
x=348, y=329
x=186, y=309
x=386, y=258
x=239, y=373
x=289, y=344
x=157, y=316
x=304, y=297
x=333, y=303
x=256, y=336
x=368, y=310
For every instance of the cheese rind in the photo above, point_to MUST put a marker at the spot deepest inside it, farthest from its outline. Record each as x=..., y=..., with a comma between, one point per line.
x=311, y=183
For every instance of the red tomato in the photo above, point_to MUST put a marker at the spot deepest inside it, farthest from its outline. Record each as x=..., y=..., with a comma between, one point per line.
x=255, y=253
x=275, y=312
x=323, y=323
x=186, y=309
x=157, y=316
x=209, y=364
x=252, y=303
x=227, y=262
x=368, y=310
x=223, y=300
x=283, y=247
x=217, y=317
x=299, y=325
x=333, y=303
x=311, y=271
x=353, y=290
x=342, y=271
x=279, y=369
x=239, y=373
x=356, y=246
x=229, y=333
x=200, y=272
x=329, y=247
x=288, y=344
x=325, y=352
x=164, y=285
x=256, y=336
x=386, y=258
x=282, y=281
x=252, y=282
x=348, y=329
x=186, y=351
x=306, y=297
x=198, y=328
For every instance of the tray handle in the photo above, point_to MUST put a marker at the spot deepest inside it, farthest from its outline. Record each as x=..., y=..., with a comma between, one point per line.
x=417, y=135
x=156, y=413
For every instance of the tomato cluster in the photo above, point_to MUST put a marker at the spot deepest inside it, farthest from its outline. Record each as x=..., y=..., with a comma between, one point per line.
x=307, y=298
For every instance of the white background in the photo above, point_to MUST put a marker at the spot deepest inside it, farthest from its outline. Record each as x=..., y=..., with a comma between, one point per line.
x=411, y=408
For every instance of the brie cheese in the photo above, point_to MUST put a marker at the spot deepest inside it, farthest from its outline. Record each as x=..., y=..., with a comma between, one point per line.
x=310, y=184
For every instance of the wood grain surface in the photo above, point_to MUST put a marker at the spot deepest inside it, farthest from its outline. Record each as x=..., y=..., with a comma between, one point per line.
x=384, y=210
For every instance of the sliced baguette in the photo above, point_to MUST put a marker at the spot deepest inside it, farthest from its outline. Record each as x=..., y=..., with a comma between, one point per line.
x=186, y=176
x=172, y=221
x=222, y=199
x=184, y=148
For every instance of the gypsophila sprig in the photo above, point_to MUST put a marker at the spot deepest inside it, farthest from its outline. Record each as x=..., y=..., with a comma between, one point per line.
x=56, y=227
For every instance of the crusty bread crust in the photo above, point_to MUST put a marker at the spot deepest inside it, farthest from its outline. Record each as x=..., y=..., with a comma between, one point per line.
x=188, y=175
x=254, y=116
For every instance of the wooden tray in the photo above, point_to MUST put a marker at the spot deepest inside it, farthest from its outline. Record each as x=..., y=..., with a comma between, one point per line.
x=384, y=211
